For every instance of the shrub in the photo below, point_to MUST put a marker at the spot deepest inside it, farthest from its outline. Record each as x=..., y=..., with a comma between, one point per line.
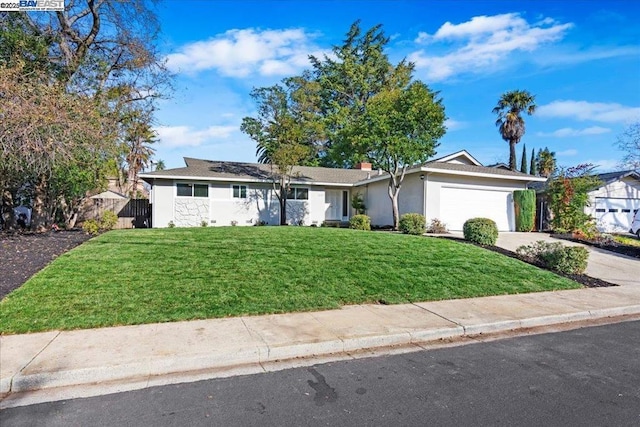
x=412, y=223
x=525, y=207
x=556, y=256
x=357, y=203
x=483, y=231
x=108, y=221
x=437, y=227
x=360, y=222
x=91, y=226
x=203, y=223
x=171, y=224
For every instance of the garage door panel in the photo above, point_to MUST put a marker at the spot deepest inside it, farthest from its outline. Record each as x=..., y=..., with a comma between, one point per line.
x=615, y=214
x=460, y=204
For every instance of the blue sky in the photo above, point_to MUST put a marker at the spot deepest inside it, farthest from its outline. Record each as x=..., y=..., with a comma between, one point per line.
x=580, y=58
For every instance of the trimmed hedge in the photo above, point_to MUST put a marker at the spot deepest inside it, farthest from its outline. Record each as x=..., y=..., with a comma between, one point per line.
x=360, y=222
x=483, y=231
x=525, y=207
x=556, y=256
x=412, y=223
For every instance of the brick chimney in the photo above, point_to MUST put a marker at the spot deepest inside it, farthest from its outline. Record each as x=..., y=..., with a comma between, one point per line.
x=363, y=166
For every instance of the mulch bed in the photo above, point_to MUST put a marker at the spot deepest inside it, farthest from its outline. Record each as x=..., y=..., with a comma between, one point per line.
x=632, y=251
x=24, y=254
x=583, y=279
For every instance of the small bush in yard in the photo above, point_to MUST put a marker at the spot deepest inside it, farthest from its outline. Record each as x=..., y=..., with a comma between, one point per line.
x=91, y=226
x=108, y=221
x=437, y=227
x=412, y=223
x=556, y=256
x=360, y=222
x=483, y=231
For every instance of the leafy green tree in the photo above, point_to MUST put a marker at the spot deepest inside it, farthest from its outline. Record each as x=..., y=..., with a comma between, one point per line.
x=282, y=136
x=523, y=162
x=399, y=128
x=160, y=166
x=283, y=162
x=567, y=193
x=278, y=122
x=356, y=71
x=533, y=169
x=546, y=162
x=510, y=123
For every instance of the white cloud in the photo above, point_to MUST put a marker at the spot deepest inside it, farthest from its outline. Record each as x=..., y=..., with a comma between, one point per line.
x=569, y=132
x=592, y=111
x=485, y=42
x=239, y=53
x=604, y=165
x=452, y=124
x=567, y=153
x=184, y=136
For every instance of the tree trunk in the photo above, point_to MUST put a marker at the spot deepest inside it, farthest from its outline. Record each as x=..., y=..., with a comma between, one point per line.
x=39, y=215
x=393, y=195
x=6, y=210
x=283, y=208
x=512, y=155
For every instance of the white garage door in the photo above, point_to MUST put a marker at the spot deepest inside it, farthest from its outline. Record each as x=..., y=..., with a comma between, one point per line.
x=459, y=204
x=615, y=215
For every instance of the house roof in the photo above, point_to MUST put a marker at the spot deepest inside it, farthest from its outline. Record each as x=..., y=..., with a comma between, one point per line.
x=256, y=172
x=460, y=163
x=610, y=177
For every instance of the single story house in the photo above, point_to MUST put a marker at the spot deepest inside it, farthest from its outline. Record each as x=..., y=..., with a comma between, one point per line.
x=614, y=203
x=452, y=189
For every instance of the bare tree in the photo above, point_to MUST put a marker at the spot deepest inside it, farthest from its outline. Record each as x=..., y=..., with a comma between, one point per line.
x=629, y=142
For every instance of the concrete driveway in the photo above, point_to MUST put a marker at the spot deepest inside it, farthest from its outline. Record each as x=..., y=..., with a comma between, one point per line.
x=605, y=265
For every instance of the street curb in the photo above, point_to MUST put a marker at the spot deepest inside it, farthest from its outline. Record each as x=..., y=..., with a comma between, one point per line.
x=146, y=370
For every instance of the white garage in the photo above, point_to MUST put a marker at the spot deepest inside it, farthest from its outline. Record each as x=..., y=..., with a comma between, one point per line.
x=615, y=202
x=615, y=214
x=458, y=204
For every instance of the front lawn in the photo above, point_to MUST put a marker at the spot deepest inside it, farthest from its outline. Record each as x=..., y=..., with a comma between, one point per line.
x=142, y=276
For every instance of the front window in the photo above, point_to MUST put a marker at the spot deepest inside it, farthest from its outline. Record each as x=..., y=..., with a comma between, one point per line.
x=193, y=190
x=239, y=191
x=296, y=193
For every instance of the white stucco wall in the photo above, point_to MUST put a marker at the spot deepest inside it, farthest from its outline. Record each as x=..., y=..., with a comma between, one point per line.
x=626, y=188
x=378, y=202
x=222, y=209
x=162, y=203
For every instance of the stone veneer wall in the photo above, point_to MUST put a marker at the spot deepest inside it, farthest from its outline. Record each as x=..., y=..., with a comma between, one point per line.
x=191, y=212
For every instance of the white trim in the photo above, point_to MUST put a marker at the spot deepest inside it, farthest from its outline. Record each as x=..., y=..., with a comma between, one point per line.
x=526, y=178
x=464, y=153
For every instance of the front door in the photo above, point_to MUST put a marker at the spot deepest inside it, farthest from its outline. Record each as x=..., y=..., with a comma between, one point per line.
x=333, y=205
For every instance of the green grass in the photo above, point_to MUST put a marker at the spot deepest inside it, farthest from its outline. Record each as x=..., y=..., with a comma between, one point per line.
x=142, y=276
x=626, y=240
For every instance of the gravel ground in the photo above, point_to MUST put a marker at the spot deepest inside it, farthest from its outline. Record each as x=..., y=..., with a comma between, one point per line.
x=24, y=254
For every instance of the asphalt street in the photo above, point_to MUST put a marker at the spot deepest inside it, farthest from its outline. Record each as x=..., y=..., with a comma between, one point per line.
x=588, y=376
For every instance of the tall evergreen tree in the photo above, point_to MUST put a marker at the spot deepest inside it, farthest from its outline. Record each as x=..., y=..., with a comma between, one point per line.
x=533, y=170
x=523, y=162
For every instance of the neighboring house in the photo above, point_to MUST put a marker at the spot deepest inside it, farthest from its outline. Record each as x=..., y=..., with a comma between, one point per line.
x=615, y=201
x=453, y=189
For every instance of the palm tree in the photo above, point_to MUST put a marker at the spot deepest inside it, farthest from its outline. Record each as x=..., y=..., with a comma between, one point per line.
x=510, y=122
x=546, y=162
x=138, y=137
x=160, y=165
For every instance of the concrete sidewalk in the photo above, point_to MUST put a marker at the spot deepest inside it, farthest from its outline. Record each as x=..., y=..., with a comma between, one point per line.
x=55, y=365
